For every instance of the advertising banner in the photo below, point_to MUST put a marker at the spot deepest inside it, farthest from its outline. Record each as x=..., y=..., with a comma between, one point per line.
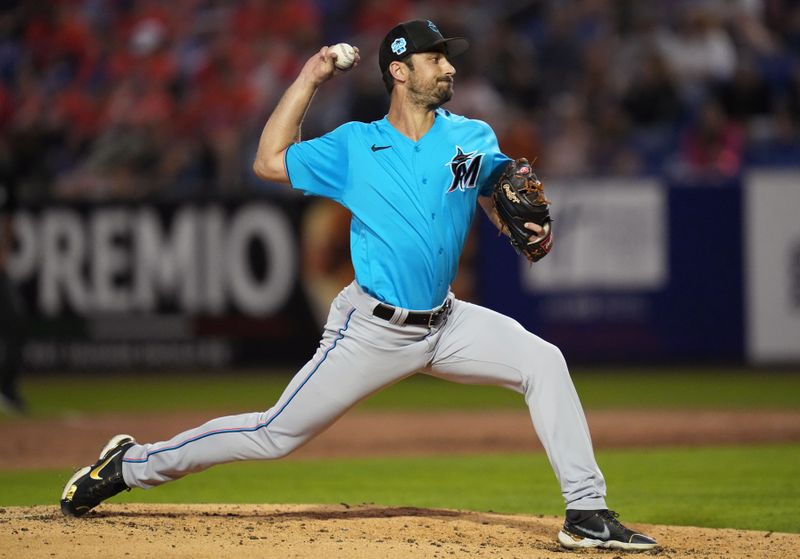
x=640, y=272
x=199, y=284
x=612, y=236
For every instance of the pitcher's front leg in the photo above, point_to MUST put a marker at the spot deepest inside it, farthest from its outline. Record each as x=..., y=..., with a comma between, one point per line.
x=480, y=346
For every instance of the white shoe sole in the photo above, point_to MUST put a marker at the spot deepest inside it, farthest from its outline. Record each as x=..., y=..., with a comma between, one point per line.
x=570, y=542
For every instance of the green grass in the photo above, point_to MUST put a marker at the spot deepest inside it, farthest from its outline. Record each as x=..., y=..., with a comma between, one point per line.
x=751, y=487
x=680, y=388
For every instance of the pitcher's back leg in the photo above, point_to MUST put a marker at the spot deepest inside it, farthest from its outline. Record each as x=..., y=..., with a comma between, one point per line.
x=349, y=365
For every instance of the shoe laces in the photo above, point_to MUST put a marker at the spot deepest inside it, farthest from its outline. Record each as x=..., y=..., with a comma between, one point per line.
x=108, y=486
x=611, y=516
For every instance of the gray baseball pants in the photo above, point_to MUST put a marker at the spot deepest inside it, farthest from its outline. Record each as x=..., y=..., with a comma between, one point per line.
x=360, y=354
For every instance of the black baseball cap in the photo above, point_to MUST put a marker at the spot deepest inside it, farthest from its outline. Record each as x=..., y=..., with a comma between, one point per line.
x=419, y=35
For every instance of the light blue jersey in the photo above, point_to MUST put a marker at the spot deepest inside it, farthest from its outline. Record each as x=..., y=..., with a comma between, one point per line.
x=412, y=202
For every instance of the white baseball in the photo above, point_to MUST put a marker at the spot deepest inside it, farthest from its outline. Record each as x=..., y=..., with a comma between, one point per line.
x=345, y=55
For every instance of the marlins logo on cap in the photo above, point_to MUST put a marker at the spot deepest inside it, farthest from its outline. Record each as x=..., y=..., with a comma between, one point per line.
x=419, y=35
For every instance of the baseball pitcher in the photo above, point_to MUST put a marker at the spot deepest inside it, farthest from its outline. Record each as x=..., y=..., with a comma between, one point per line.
x=412, y=182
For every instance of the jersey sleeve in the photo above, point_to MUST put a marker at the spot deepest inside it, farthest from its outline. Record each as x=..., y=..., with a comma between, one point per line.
x=320, y=166
x=496, y=161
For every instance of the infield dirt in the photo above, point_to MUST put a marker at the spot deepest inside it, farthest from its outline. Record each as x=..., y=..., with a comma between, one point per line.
x=337, y=531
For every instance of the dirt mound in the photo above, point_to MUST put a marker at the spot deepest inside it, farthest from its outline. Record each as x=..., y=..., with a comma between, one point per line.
x=341, y=531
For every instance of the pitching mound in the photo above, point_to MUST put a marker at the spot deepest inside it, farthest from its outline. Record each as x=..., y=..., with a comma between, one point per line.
x=319, y=531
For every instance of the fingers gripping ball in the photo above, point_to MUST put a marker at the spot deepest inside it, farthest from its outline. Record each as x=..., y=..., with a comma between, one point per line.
x=519, y=199
x=345, y=55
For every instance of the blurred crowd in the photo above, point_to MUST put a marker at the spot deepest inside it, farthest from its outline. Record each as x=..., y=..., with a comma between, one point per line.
x=122, y=99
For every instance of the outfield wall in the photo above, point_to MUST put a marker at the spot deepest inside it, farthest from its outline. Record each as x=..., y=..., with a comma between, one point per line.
x=645, y=271
x=642, y=272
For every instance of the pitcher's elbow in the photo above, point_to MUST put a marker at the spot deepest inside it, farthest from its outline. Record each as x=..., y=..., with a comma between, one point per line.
x=262, y=170
x=270, y=169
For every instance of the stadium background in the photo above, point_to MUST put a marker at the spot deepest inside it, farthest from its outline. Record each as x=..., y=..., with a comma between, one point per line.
x=164, y=283
x=670, y=136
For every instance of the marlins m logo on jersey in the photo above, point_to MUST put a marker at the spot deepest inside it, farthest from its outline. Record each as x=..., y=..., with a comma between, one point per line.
x=466, y=167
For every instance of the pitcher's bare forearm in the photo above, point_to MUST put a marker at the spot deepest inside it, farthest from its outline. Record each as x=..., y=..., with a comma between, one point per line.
x=487, y=204
x=283, y=129
x=283, y=126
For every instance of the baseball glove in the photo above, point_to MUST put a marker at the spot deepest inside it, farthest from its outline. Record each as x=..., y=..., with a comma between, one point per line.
x=519, y=199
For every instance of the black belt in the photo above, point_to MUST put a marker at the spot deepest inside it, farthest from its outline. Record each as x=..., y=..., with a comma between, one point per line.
x=429, y=319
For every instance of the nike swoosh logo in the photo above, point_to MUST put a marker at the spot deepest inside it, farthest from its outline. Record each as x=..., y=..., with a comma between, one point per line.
x=95, y=474
x=604, y=535
x=378, y=148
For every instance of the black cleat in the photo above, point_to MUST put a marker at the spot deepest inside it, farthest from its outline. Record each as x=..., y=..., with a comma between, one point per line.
x=600, y=528
x=90, y=486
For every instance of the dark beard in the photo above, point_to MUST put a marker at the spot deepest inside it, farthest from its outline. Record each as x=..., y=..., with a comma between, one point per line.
x=432, y=98
x=446, y=95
